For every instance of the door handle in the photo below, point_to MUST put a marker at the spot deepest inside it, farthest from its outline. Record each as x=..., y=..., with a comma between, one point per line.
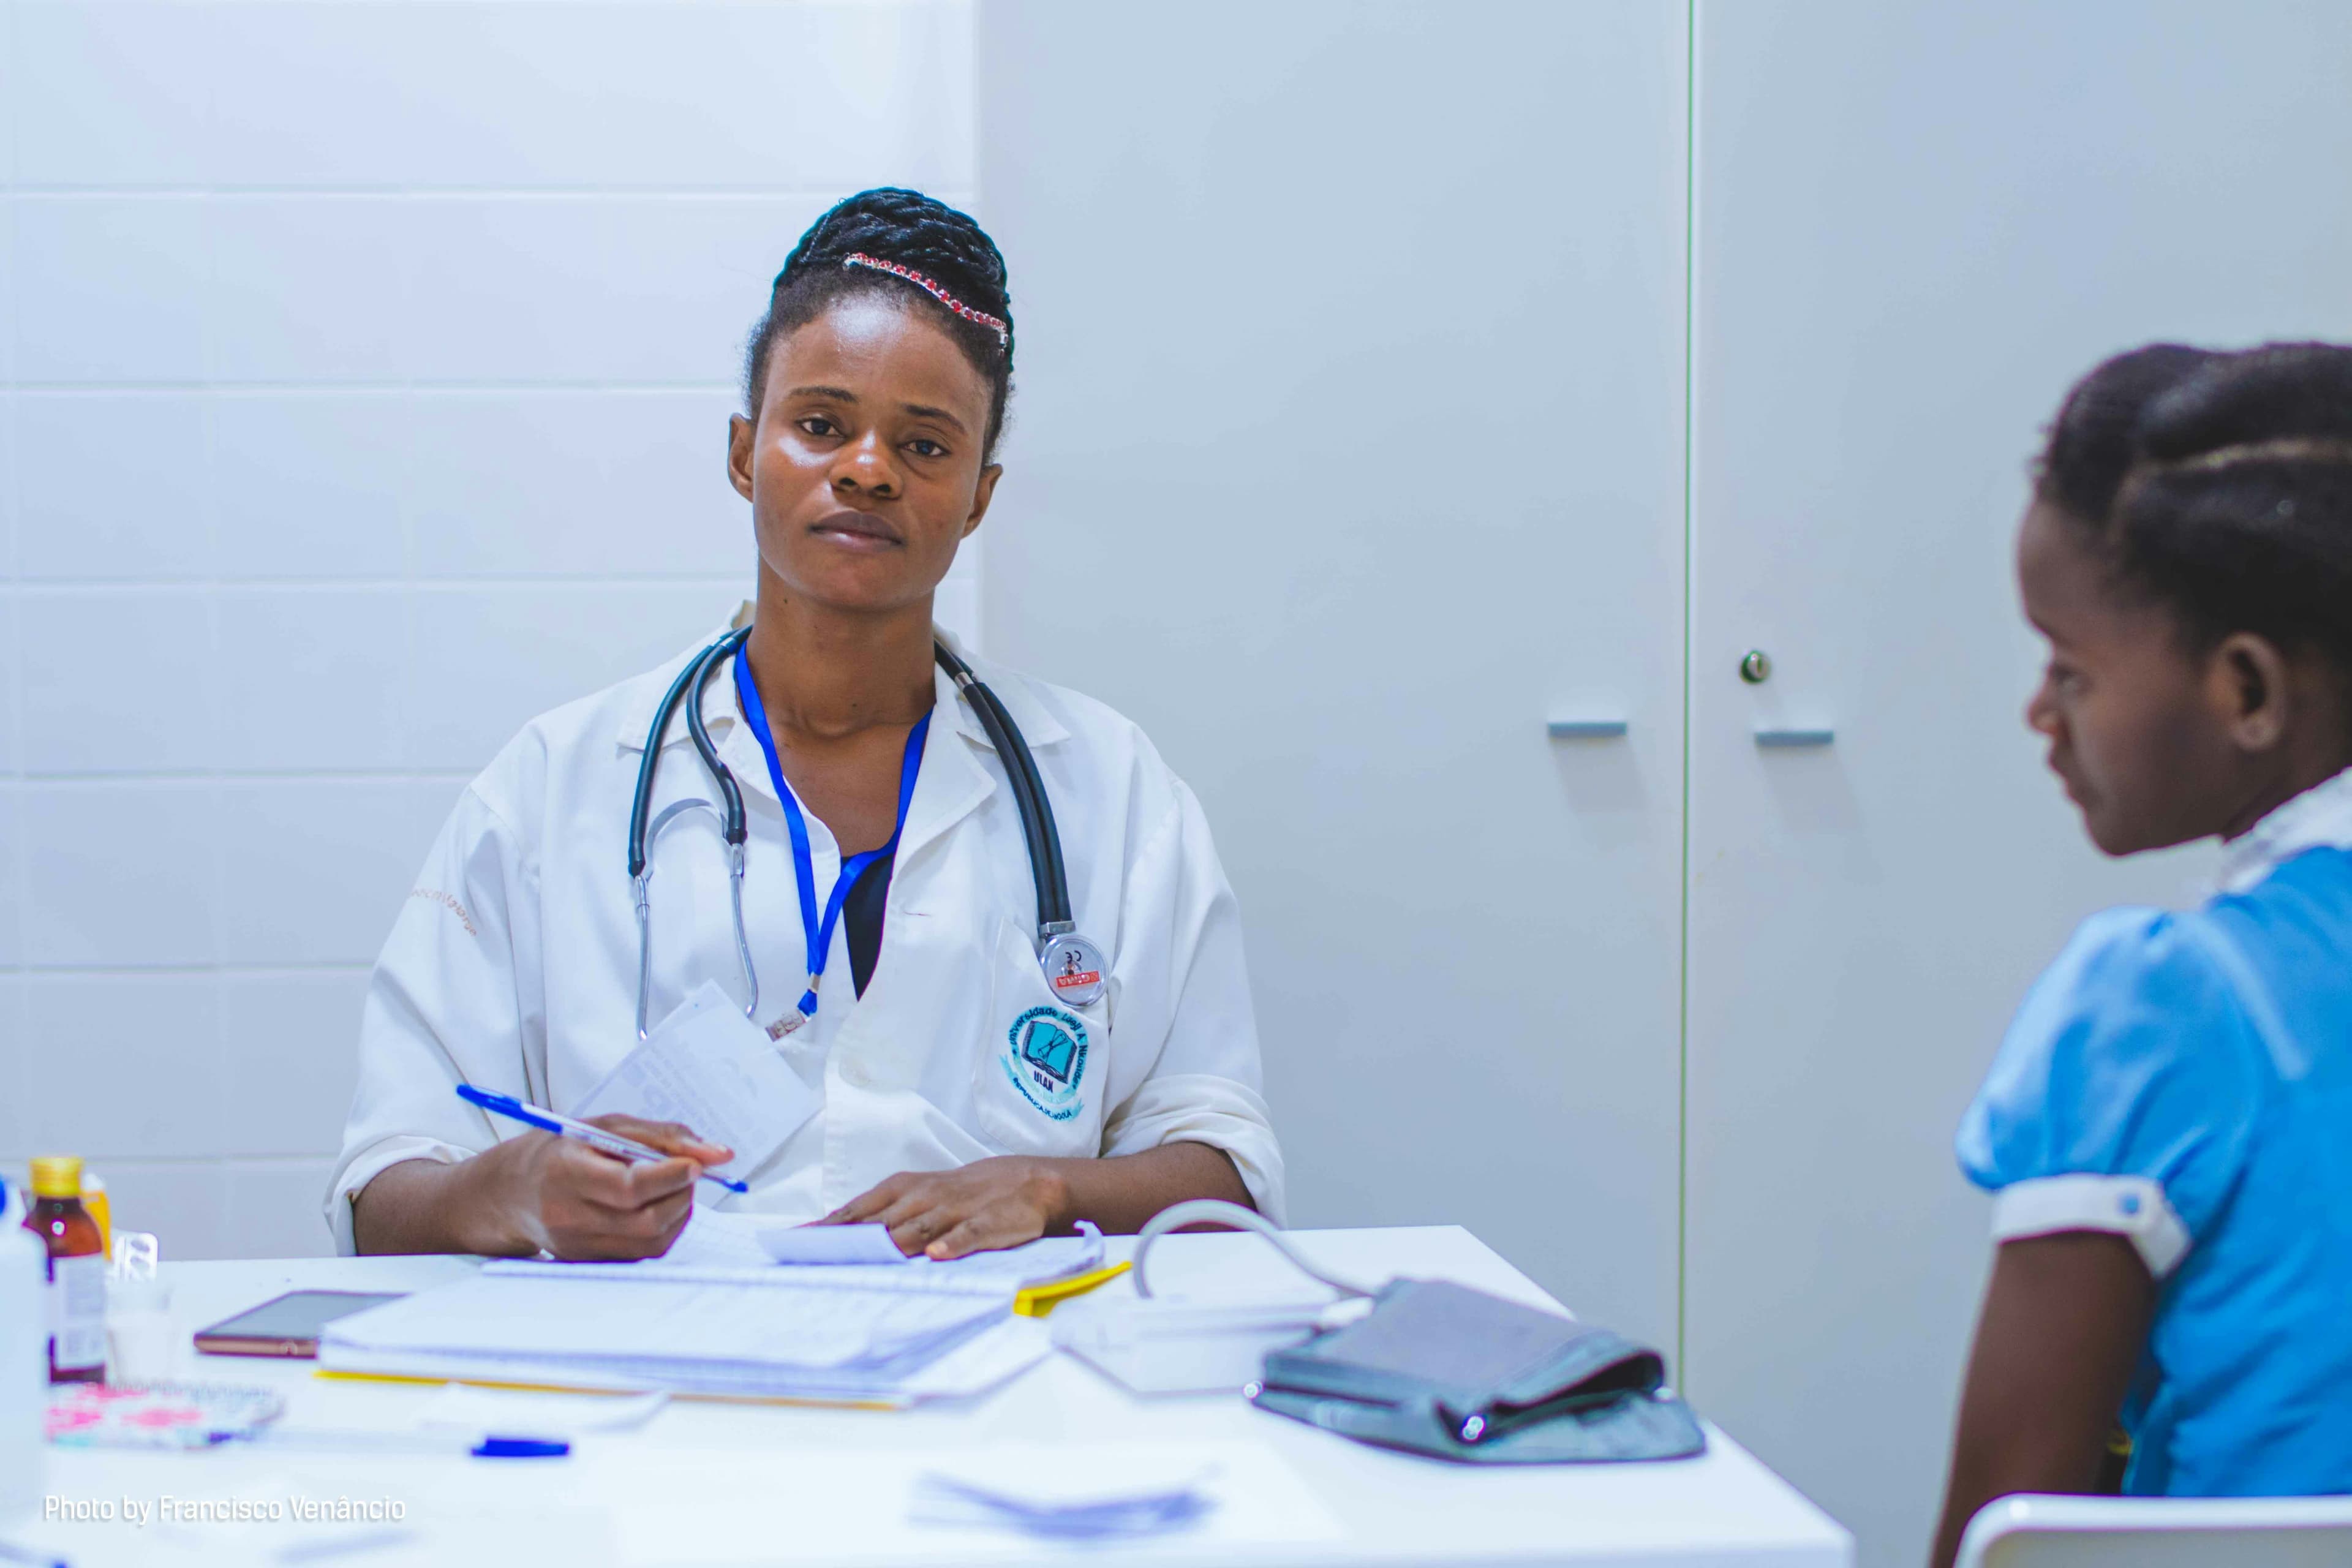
x=1585, y=728
x=1792, y=739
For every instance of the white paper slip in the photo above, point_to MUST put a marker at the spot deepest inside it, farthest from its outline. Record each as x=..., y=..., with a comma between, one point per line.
x=829, y=1244
x=719, y=1238
x=1011, y=1268
x=861, y=1257
x=712, y=1068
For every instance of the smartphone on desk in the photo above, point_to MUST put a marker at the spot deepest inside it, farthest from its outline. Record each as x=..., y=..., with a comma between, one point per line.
x=287, y=1325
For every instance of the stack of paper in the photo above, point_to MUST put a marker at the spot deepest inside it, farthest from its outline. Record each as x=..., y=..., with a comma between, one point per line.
x=683, y=1330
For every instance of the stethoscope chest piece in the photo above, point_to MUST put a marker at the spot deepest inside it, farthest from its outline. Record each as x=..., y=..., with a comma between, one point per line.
x=1073, y=968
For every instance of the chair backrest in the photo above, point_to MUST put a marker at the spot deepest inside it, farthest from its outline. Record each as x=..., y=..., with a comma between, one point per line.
x=2035, y=1531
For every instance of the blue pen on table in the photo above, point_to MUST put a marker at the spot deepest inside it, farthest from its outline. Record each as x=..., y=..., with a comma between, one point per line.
x=596, y=1137
x=377, y=1442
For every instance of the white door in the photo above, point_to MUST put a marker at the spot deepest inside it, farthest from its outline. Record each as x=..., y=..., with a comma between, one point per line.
x=1915, y=225
x=1348, y=453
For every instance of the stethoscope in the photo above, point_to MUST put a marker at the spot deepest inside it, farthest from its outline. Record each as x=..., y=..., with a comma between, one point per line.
x=1072, y=966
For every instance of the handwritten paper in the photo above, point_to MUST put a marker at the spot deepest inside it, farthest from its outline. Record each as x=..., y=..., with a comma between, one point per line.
x=712, y=1068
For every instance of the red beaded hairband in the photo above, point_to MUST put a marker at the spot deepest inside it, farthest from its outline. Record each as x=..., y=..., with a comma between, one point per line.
x=859, y=258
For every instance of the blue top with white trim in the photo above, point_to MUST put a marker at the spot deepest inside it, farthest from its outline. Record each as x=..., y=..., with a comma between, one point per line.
x=2186, y=1080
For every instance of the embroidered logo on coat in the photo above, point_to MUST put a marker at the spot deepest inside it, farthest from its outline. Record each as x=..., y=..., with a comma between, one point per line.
x=1045, y=1058
x=435, y=895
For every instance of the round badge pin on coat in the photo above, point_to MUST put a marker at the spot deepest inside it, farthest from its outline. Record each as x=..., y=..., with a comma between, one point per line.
x=1073, y=968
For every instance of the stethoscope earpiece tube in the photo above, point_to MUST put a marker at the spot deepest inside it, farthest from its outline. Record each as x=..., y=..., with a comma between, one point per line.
x=694, y=680
x=695, y=675
x=644, y=798
x=1037, y=826
x=1053, y=886
x=713, y=660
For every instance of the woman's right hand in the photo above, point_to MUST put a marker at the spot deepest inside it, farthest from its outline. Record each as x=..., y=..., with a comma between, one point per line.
x=560, y=1195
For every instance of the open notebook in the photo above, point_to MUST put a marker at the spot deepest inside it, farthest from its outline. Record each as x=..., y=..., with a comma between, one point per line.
x=535, y=1323
x=718, y=1316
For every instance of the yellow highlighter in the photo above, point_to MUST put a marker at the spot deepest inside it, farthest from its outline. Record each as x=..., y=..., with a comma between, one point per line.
x=1039, y=1300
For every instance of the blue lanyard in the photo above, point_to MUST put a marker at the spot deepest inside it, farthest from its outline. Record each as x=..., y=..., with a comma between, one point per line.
x=817, y=932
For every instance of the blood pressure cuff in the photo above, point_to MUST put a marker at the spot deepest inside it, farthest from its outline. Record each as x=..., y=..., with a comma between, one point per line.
x=1440, y=1369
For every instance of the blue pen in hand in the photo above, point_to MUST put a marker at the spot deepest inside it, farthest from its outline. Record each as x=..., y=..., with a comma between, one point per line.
x=596, y=1137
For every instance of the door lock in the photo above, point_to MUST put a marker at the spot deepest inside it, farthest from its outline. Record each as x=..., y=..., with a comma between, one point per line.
x=1756, y=669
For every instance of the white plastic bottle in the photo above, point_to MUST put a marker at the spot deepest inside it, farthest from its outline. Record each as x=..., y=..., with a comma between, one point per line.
x=24, y=1361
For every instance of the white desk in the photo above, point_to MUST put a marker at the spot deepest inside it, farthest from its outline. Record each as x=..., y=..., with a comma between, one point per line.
x=710, y=1484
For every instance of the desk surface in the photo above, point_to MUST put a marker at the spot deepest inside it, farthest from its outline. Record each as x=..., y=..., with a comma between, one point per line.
x=710, y=1484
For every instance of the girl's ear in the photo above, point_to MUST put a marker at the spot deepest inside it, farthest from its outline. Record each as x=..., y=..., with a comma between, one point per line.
x=2247, y=679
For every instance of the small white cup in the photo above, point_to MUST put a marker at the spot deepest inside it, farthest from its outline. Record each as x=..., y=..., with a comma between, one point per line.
x=143, y=1341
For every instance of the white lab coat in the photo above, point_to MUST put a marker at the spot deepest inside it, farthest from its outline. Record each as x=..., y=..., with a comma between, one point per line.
x=513, y=963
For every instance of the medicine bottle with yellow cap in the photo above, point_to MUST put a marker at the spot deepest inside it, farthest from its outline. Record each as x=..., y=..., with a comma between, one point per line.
x=76, y=1270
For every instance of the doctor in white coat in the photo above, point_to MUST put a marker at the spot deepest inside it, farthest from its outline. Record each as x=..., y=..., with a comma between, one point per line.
x=875, y=388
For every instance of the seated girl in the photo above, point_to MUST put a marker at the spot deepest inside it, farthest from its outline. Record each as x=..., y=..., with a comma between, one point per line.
x=2168, y=1127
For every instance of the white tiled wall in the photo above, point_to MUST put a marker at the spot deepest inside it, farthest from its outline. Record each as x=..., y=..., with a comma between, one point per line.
x=364, y=367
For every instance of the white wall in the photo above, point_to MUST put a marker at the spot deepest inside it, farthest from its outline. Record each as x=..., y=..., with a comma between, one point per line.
x=1349, y=453
x=366, y=374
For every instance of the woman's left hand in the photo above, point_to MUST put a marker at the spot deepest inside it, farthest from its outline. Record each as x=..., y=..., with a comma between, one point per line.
x=994, y=1202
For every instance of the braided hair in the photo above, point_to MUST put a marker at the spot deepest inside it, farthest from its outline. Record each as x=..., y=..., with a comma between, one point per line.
x=904, y=229
x=2218, y=487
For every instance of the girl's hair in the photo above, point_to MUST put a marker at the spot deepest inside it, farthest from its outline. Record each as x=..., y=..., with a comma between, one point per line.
x=2218, y=485
x=891, y=234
